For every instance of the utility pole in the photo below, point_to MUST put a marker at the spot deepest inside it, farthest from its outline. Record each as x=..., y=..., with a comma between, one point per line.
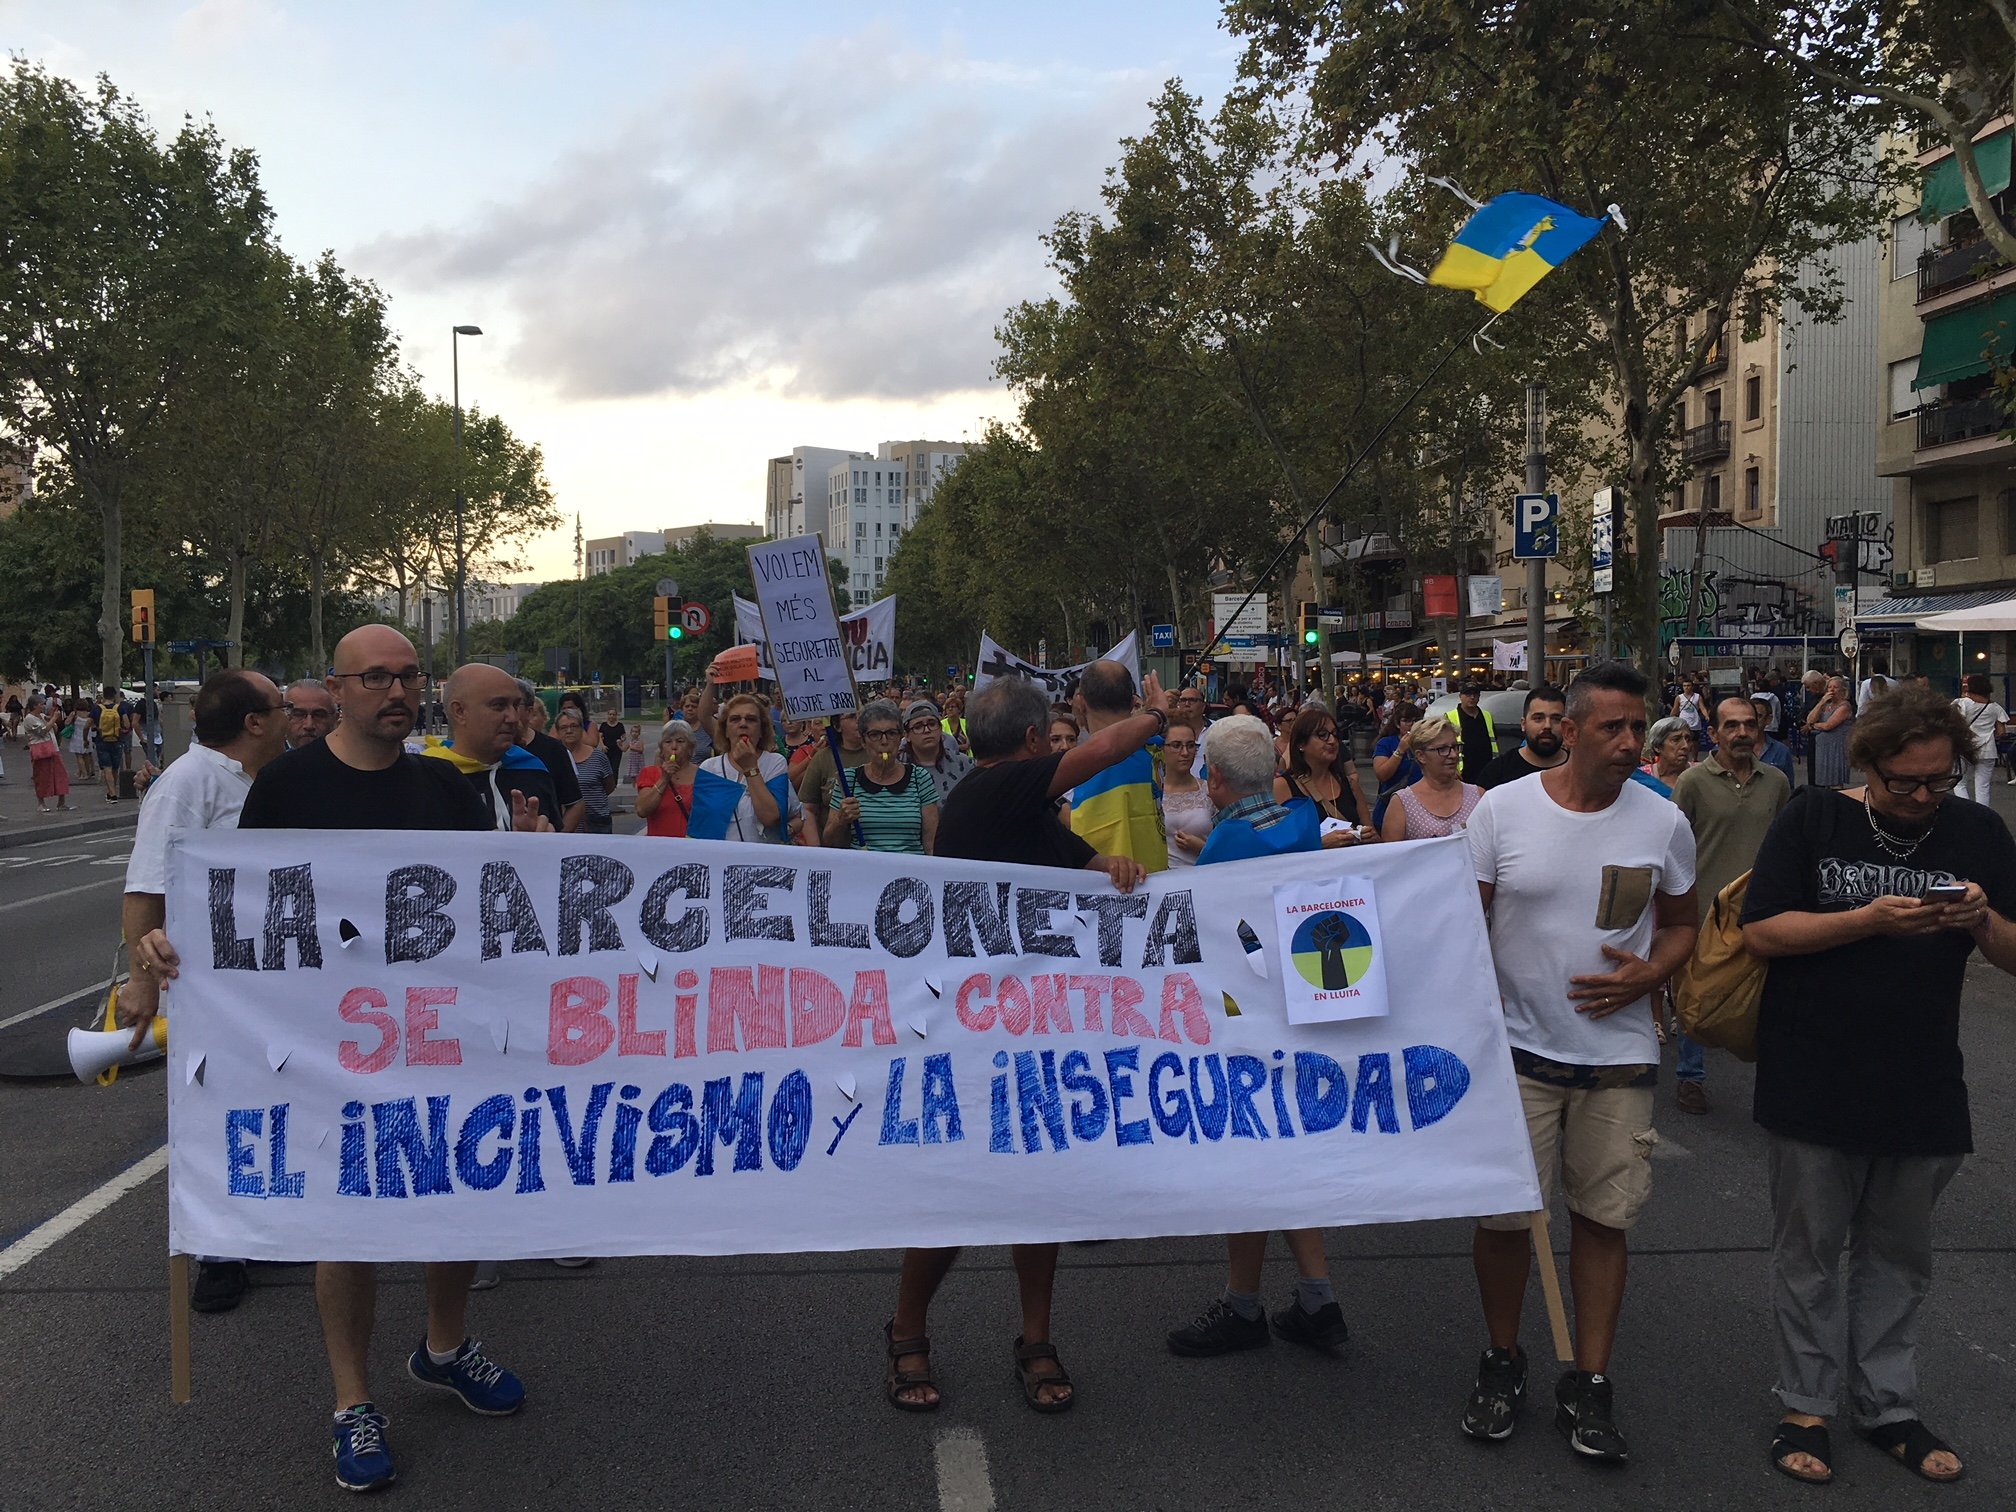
x=1536, y=569
x=1329, y=667
x=1459, y=544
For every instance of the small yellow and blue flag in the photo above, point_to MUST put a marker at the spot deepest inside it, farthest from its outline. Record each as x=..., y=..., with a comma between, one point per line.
x=1512, y=242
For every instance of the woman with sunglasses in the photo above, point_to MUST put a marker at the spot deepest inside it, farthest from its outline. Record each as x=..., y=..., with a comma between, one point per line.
x=1186, y=806
x=1867, y=906
x=1318, y=769
x=1441, y=802
x=894, y=804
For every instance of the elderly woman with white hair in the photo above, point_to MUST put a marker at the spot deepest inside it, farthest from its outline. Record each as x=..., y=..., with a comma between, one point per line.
x=1669, y=750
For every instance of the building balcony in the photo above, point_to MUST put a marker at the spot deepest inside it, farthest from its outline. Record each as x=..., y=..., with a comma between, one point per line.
x=1961, y=420
x=1945, y=269
x=1702, y=444
x=1717, y=360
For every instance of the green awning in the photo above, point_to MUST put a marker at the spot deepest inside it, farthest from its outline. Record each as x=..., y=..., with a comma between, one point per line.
x=1945, y=194
x=1978, y=339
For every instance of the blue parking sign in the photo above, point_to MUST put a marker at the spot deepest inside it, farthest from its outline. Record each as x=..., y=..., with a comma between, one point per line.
x=1536, y=525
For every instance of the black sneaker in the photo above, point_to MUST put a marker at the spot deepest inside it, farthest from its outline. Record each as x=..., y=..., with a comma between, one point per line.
x=220, y=1285
x=1321, y=1329
x=1583, y=1412
x=1493, y=1407
x=1219, y=1330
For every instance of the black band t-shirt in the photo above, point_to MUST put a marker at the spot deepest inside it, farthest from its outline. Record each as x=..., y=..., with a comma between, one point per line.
x=1004, y=812
x=310, y=787
x=1858, y=1047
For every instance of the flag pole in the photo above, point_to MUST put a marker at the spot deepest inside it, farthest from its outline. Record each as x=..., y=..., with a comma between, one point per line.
x=1294, y=542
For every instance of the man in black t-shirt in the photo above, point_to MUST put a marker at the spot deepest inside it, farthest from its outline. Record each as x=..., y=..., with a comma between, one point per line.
x=1546, y=710
x=1006, y=810
x=362, y=777
x=1867, y=904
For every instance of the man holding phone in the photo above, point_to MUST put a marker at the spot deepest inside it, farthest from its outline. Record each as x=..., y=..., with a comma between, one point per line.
x=1868, y=904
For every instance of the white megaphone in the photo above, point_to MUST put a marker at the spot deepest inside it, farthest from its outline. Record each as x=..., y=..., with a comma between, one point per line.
x=96, y=1050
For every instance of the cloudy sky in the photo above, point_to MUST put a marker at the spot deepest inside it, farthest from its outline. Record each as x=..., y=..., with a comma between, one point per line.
x=694, y=235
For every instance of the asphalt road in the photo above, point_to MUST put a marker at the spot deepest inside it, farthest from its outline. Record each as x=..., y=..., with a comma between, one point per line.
x=755, y=1382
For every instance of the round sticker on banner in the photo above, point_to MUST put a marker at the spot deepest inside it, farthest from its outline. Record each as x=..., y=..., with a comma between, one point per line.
x=1850, y=642
x=1332, y=950
x=695, y=617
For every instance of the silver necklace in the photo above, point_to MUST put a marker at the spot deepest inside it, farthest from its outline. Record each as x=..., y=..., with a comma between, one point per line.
x=1895, y=846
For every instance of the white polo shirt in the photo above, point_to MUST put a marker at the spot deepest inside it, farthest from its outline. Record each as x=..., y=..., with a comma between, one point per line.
x=201, y=789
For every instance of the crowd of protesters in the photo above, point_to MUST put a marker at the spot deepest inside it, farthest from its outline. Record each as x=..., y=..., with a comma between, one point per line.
x=1599, y=840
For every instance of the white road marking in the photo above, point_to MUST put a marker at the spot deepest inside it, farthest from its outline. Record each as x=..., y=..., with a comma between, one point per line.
x=963, y=1482
x=69, y=997
x=62, y=893
x=84, y=1209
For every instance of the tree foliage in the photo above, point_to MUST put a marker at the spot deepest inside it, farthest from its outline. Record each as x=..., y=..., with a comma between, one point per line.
x=1734, y=182
x=229, y=418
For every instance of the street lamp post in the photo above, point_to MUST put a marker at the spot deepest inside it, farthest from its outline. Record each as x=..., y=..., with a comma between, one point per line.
x=461, y=504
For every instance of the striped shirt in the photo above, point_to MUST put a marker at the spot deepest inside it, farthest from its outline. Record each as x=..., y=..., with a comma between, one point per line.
x=892, y=816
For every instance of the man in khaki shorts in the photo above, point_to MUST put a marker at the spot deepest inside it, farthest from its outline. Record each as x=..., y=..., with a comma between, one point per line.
x=1588, y=880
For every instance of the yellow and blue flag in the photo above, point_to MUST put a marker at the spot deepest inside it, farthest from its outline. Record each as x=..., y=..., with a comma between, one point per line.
x=1118, y=812
x=1511, y=243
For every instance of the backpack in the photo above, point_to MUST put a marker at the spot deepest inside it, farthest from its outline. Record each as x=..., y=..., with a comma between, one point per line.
x=109, y=725
x=1718, y=991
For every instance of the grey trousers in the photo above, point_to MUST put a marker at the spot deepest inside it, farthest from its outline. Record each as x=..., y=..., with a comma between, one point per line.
x=1869, y=1217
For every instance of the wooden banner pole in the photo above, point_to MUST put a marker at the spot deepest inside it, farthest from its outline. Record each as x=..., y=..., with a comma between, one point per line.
x=1550, y=1287
x=178, y=1329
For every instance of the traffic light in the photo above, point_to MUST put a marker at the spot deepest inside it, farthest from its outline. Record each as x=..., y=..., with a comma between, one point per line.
x=661, y=618
x=675, y=631
x=143, y=616
x=1311, y=634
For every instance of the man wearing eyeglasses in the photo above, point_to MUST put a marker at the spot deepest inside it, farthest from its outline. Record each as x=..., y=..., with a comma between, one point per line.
x=238, y=731
x=362, y=777
x=311, y=712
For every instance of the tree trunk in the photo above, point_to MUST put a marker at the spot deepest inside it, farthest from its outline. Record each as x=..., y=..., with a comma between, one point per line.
x=111, y=650
x=234, y=628
x=318, y=653
x=1641, y=489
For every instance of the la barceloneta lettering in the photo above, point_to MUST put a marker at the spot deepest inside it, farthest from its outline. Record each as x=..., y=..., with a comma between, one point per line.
x=406, y=1047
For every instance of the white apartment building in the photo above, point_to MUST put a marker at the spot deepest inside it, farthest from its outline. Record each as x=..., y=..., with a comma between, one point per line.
x=607, y=553
x=795, y=496
x=925, y=465
x=866, y=516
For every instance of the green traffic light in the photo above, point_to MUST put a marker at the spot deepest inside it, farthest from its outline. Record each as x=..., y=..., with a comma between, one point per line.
x=1309, y=637
x=675, y=632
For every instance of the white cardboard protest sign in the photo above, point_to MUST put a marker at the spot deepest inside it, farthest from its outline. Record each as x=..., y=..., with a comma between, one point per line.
x=996, y=660
x=868, y=636
x=808, y=657
x=543, y=1045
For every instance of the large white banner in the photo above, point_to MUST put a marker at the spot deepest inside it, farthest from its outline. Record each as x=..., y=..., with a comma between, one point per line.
x=794, y=598
x=996, y=660
x=867, y=635
x=393, y=1046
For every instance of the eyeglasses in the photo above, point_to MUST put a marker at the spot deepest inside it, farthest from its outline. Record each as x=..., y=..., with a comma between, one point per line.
x=306, y=712
x=1440, y=750
x=917, y=726
x=1179, y=745
x=378, y=679
x=1327, y=733
x=885, y=734
x=1904, y=787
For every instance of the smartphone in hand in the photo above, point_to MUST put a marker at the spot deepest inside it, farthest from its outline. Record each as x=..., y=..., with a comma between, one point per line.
x=1945, y=892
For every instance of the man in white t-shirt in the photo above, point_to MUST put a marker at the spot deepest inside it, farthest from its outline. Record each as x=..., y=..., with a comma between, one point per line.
x=240, y=726
x=1588, y=880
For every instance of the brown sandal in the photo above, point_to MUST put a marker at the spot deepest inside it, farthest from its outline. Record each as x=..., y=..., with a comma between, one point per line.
x=1033, y=1384
x=896, y=1382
